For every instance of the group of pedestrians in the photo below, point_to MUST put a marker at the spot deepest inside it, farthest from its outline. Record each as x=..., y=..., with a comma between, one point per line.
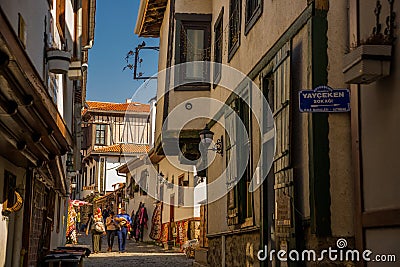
x=121, y=225
x=107, y=223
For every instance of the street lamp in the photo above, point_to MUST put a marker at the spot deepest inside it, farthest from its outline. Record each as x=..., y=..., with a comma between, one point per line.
x=206, y=138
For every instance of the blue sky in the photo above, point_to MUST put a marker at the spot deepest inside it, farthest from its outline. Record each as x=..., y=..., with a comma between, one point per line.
x=114, y=37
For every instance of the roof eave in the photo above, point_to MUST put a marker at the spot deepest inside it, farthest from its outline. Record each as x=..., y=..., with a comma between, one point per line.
x=150, y=17
x=139, y=19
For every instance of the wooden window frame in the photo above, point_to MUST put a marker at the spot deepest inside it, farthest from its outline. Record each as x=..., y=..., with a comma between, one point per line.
x=101, y=130
x=233, y=45
x=252, y=18
x=218, y=47
x=185, y=22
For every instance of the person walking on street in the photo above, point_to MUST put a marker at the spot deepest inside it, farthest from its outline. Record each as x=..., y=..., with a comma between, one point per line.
x=97, y=228
x=112, y=228
x=123, y=220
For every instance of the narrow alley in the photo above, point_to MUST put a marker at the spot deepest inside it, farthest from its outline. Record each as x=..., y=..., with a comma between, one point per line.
x=142, y=253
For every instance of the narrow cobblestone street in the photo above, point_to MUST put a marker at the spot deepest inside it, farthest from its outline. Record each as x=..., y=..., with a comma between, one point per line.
x=142, y=254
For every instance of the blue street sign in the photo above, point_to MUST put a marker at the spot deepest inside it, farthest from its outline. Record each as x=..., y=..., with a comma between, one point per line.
x=324, y=99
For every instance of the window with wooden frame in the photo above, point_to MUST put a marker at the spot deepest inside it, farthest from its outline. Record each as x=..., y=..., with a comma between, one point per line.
x=253, y=13
x=60, y=17
x=100, y=134
x=193, y=45
x=234, y=27
x=218, y=46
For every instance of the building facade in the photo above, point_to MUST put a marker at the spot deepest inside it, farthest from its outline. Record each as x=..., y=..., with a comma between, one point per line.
x=114, y=133
x=320, y=178
x=43, y=48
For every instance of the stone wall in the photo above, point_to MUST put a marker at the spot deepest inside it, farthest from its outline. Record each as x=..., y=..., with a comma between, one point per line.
x=240, y=250
x=318, y=244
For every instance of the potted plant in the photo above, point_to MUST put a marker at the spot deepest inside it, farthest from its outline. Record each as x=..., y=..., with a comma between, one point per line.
x=58, y=60
x=370, y=60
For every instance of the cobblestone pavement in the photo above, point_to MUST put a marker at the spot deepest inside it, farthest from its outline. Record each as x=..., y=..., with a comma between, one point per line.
x=137, y=254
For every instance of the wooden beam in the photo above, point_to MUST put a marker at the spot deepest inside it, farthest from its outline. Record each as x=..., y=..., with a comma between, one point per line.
x=381, y=218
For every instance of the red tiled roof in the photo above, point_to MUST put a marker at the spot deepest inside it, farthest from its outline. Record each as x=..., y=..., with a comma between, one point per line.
x=107, y=106
x=123, y=148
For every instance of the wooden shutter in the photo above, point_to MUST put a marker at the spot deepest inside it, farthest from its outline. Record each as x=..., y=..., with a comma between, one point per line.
x=231, y=170
x=283, y=173
x=243, y=148
x=238, y=197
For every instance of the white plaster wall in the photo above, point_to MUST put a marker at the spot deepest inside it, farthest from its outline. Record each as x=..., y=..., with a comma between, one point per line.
x=34, y=13
x=180, y=213
x=69, y=22
x=111, y=175
x=111, y=165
